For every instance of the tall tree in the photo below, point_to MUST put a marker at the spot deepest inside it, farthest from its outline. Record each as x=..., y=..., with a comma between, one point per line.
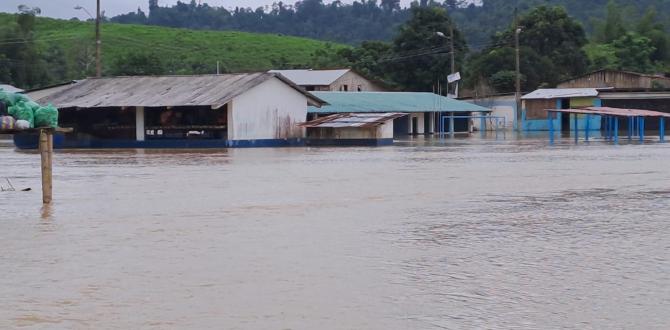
x=421, y=53
x=551, y=50
x=613, y=27
x=633, y=52
x=27, y=67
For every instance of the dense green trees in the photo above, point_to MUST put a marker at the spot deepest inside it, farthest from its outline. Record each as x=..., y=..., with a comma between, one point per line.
x=418, y=59
x=642, y=46
x=397, y=45
x=22, y=63
x=375, y=19
x=422, y=50
x=551, y=51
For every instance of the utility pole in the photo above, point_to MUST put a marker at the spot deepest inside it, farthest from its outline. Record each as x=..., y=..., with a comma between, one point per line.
x=98, y=43
x=453, y=49
x=517, y=31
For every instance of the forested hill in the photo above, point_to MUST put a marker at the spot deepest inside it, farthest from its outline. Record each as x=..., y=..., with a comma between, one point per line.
x=372, y=19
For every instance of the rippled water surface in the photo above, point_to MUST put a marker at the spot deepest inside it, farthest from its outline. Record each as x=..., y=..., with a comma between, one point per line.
x=465, y=234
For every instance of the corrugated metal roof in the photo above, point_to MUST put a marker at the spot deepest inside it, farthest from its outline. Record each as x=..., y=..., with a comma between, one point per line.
x=162, y=91
x=636, y=95
x=617, y=112
x=43, y=92
x=341, y=120
x=10, y=88
x=376, y=102
x=312, y=77
x=559, y=93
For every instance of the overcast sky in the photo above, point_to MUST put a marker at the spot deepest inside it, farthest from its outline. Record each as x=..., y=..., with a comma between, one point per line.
x=65, y=8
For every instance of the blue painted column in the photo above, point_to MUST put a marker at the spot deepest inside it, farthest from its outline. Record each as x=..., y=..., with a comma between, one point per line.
x=588, y=127
x=550, y=123
x=641, y=120
x=662, y=130
x=630, y=128
x=576, y=120
x=616, y=130
x=482, y=124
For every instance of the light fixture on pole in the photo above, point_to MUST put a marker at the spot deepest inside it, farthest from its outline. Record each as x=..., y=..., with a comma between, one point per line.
x=98, y=42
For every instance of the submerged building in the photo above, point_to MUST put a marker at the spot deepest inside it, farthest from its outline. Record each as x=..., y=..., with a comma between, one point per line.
x=534, y=116
x=205, y=111
x=427, y=113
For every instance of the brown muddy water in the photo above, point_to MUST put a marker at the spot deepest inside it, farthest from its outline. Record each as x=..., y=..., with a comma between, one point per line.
x=467, y=234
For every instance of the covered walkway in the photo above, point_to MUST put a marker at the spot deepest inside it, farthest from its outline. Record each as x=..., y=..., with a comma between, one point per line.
x=612, y=117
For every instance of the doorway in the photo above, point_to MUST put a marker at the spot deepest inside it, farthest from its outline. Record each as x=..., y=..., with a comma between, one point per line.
x=565, y=117
x=415, y=125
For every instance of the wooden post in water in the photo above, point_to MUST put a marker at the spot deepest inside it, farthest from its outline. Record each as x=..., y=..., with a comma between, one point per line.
x=46, y=153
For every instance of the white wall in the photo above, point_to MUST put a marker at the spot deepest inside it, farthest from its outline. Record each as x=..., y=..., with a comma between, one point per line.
x=139, y=123
x=385, y=131
x=421, y=125
x=497, y=111
x=270, y=110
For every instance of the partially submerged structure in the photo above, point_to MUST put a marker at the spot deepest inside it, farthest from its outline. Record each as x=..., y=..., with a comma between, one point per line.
x=503, y=110
x=428, y=113
x=634, y=118
x=348, y=129
x=341, y=80
x=232, y=110
x=535, y=105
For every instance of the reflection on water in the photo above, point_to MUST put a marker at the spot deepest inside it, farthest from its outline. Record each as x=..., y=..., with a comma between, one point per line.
x=453, y=234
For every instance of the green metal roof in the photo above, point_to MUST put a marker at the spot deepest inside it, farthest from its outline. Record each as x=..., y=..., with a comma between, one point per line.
x=341, y=102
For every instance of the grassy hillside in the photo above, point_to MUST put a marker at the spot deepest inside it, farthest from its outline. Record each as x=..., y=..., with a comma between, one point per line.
x=182, y=51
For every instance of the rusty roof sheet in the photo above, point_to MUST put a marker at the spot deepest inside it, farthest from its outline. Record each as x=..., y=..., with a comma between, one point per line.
x=163, y=91
x=618, y=112
x=363, y=120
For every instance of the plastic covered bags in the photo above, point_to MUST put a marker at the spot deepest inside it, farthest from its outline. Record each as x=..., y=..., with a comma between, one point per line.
x=46, y=116
x=23, y=111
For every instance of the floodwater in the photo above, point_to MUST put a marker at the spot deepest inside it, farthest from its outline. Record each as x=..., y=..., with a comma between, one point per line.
x=462, y=234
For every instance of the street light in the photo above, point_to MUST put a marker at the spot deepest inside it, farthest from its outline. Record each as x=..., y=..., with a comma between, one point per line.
x=78, y=7
x=98, y=42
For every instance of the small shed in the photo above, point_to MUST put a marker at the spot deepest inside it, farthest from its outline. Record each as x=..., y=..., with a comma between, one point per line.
x=428, y=113
x=534, y=108
x=349, y=129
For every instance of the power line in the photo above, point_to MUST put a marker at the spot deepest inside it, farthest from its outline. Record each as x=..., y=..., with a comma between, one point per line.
x=37, y=40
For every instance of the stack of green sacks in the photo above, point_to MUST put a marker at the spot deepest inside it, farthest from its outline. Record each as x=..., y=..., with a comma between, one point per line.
x=21, y=107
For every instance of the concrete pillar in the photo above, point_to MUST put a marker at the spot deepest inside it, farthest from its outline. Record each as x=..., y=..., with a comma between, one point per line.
x=420, y=124
x=431, y=122
x=139, y=123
